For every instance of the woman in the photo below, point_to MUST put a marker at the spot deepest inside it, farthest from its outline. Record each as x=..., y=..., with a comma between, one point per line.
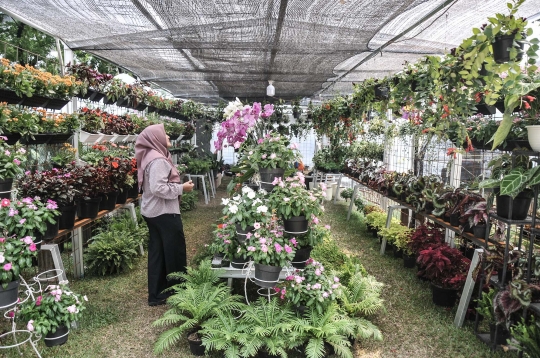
x=160, y=182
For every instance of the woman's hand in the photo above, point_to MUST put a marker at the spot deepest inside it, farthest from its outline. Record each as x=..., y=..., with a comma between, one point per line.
x=188, y=186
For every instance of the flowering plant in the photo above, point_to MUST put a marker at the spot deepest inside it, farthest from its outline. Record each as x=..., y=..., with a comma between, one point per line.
x=239, y=120
x=27, y=216
x=224, y=240
x=268, y=246
x=247, y=208
x=291, y=198
x=15, y=254
x=56, y=184
x=120, y=172
x=66, y=154
x=11, y=159
x=310, y=287
x=314, y=236
x=272, y=151
x=57, y=306
x=90, y=181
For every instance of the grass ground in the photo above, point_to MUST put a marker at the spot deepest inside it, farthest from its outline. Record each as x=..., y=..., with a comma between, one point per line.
x=118, y=321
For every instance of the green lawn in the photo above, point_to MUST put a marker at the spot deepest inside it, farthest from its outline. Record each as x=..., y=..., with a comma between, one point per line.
x=118, y=321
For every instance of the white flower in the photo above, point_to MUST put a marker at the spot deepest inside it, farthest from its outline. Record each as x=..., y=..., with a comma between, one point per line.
x=286, y=199
x=262, y=209
x=225, y=201
x=2, y=258
x=237, y=198
x=72, y=309
x=85, y=298
x=251, y=194
x=263, y=192
x=233, y=209
x=246, y=189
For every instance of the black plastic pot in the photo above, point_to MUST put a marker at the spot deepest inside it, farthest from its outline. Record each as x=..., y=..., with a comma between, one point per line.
x=501, y=48
x=57, y=338
x=381, y=92
x=241, y=234
x=520, y=205
x=264, y=354
x=445, y=297
x=268, y=175
x=133, y=192
x=88, y=208
x=239, y=263
x=122, y=196
x=10, y=294
x=195, y=345
x=479, y=231
x=398, y=253
x=454, y=219
x=301, y=256
x=108, y=201
x=502, y=334
x=266, y=275
x=5, y=188
x=296, y=225
x=409, y=261
x=66, y=220
x=52, y=230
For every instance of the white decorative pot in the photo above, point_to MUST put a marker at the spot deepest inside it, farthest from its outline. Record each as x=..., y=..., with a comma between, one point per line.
x=534, y=137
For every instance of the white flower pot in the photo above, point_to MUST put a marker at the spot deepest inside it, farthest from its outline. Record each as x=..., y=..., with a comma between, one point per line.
x=329, y=192
x=310, y=184
x=534, y=137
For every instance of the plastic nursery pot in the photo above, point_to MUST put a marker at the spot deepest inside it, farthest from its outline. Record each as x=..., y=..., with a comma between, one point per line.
x=122, y=196
x=480, y=231
x=409, y=261
x=268, y=175
x=520, y=205
x=501, y=336
x=501, y=48
x=266, y=275
x=195, y=344
x=301, y=256
x=454, y=219
x=66, y=220
x=88, y=208
x=445, y=297
x=398, y=253
x=108, y=201
x=533, y=133
x=5, y=188
x=241, y=234
x=239, y=263
x=295, y=224
x=57, y=338
x=52, y=230
x=10, y=294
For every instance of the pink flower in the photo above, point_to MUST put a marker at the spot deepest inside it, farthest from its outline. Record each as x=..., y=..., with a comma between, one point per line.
x=262, y=240
x=327, y=227
x=72, y=309
x=314, y=219
x=263, y=156
x=292, y=241
x=264, y=248
x=13, y=212
x=7, y=153
x=11, y=314
x=7, y=266
x=22, y=221
x=335, y=285
x=294, y=146
x=317, y=272
x=27, y=200
x=17, y=161
x=251, y=248
x=2, y=239
x=237, y=145
x=288, y=249
x=32, y=247
x=30, y=325
x=323, y=186
x=257, y=226
x=260, y=141
x=278, y=247
x=336, y=279
x=289, y=278
x=27, y=240
x=248, y=235
x=38, y=300
x=5, y=203
x=227, y=241
x=299, y=279
x=273, y=156
x=325, y=294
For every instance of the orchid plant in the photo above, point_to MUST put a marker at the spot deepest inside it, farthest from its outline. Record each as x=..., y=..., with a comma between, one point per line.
x=239, y=121
x=268, y=246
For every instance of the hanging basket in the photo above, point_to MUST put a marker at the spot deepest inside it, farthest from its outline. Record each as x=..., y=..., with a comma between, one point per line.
x=57, y=338
x=266, y=275
x=296, y=225
x=9, y=295
x=5, y=188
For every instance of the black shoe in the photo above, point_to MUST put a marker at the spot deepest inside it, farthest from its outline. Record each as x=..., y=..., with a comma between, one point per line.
x=157, y=303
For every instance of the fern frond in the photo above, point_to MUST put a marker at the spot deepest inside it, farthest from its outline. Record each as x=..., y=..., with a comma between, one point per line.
x=168, y=339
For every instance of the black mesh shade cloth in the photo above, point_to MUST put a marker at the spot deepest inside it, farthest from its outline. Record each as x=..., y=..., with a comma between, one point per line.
x=211, y=49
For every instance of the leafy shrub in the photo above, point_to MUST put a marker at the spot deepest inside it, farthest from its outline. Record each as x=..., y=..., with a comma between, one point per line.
x=346, y=193
x=111, y=252
x=329, y=254
x=189, y=200
x=359, y=204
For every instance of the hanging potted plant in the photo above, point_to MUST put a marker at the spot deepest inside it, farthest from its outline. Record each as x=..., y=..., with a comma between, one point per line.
x=52, y=312
x=247, y=211
x=12, y=160
x=270, y=251
x=295, y=204
x=16, y=254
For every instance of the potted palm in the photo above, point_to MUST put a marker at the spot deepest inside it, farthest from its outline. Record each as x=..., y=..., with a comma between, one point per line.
x=270, y=251
x=295, y=204
x=15, y=254
x=52, y=313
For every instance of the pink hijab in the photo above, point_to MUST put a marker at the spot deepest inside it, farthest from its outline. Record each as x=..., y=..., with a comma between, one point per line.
x=152, y=144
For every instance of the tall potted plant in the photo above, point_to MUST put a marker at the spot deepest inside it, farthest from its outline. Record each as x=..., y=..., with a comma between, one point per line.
x=270, y=251
x=295, y=204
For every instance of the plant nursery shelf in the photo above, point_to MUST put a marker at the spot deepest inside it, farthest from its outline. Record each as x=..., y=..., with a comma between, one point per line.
x=82, y=222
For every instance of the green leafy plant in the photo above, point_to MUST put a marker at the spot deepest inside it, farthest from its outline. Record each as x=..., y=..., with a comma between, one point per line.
x=189, y=200
x=112, y=252
x=485, y=305
x=16, y=254
x=57, y=306
x=396, y=233
x=268, y=246
x=12, y=160
x=225, y=333
x=346, y=193
x=527, y=337
x=27, y=216
x=330, y=254
x=315, y=235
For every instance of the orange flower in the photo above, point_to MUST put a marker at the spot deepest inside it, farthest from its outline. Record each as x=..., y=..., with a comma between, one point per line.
x=114, y=164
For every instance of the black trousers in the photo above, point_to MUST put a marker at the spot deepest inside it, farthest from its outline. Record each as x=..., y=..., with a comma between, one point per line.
x=166, y=253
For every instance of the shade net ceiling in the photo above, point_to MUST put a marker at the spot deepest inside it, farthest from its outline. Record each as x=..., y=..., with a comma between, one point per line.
x=211, y=49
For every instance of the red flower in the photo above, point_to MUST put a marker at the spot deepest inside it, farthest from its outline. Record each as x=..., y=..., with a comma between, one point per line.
x=114, y=164
x=527, y=105
x=451, y=151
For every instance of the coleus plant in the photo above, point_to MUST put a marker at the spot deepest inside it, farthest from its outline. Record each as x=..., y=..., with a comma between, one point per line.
x=518, y=294
x=444, y=266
